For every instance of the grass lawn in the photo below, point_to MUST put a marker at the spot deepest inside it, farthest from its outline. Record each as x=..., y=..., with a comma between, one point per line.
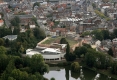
x=71, y=42
x=52, y=40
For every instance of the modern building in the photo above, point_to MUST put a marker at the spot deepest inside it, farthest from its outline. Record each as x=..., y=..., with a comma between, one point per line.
x=48, y=53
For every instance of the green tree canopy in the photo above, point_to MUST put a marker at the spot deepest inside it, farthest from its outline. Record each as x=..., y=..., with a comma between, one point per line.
x=19, y=75
x=36, y=4
x=98, y=59
x=75, y=67
x=110, y=52
x=15, y=21
x=63, y=41
x=105, y=34
x=2, y=50
x=79, y=51
x=94, y=5
x=52, y=78
x=115, y=32
x=39, y=33
x=69, y=56
x=114, y=67
x=97, y=34
x=38, y=65
x=2, y=42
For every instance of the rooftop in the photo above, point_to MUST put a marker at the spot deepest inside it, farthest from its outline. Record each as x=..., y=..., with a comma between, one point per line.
x=10, y=37
x=51, y=50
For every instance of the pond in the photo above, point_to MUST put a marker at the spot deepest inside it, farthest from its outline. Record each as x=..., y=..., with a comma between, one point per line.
x=64, y=73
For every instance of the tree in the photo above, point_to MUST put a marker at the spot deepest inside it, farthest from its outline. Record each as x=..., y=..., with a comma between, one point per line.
x=110, y=52
x=35, y=20
x=75, y=67
x=11, y=78
x=97, y=34
x=10, y=67
x=21, y=50
x=63, y=41
x=87, y=45
x=19, y=75
x=90, y=59
x=68, y=48
x=16, y=31
x=52, y=78
x=9, y=6
x=94, y=5
x=15, y=21
x=38, y=65
x=2, y=50
x=105, y=34
x=80, y=51
x=112, y=36
x=39, y=33
x=106, y=13
x=1, y=42
x=7, y=42
x=69, y=56
x=115, y=32
x=114, y=67
x=36, y=76
x=86, y=33
x=3, y=62
x=105, y=1
x=36, y=4
x=98, y=59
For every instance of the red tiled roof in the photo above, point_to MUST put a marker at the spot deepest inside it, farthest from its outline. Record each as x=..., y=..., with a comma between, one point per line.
x=59, y=29
x=1, y=21
x=62, y=5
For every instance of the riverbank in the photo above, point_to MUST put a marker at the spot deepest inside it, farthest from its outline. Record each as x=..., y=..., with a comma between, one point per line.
x=104, y=72
x=65, y=63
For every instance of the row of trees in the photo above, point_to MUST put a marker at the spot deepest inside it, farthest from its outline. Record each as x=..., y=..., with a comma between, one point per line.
x=102, y=34
x=102, y=15
x=8, y=31
x=100, y=60
x=97, y=59
x=18, y=68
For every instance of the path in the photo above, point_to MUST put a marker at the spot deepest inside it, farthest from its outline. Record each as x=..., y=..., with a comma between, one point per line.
x=78, y=44
x=43, y=40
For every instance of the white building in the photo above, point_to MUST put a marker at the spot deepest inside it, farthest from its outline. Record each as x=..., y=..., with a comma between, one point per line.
x=10, y=37
x=32, y=26
x=98, y=43
x=48, y=53
x=114, y=41
x=52, y=54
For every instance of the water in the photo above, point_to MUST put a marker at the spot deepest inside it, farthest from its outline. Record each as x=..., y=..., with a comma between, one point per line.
x=64, y=73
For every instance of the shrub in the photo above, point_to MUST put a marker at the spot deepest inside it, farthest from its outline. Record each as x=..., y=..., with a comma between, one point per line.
x=75, y=67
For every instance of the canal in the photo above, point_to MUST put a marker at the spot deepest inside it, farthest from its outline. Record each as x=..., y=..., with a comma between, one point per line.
x=64, y=73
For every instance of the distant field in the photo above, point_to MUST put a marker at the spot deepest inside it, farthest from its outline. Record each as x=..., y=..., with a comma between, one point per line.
x=57, y=39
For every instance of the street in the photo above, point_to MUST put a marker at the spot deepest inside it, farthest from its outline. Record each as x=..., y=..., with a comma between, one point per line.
x=5, y=17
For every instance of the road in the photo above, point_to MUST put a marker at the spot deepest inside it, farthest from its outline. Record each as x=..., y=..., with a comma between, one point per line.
x=5, y=17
